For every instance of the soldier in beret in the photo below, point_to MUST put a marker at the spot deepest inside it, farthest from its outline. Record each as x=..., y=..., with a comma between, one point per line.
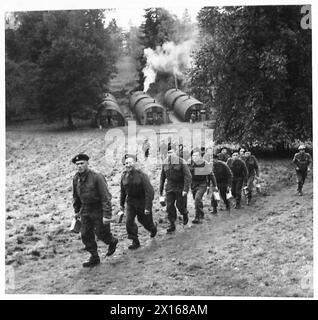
x=137, y=192
x=240, y=173
x=223, y=176
x=223, y=155
x=92, y=203
x=176, y=171
x=302, y=162
x=253, y=171
x=202, y=178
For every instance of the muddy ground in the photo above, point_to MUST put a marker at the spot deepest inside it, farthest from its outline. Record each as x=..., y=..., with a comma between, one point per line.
x=265, y=249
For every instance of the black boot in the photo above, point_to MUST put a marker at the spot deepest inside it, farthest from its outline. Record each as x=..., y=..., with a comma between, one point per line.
x=135, y=245
x=112, y=247
x=154, y=232
x=92, y=261
x=196, y=220
x=237, y=205
x=171, y=228
x=214, y=211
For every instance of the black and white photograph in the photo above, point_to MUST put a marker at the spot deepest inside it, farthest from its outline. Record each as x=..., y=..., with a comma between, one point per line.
x=158, y=149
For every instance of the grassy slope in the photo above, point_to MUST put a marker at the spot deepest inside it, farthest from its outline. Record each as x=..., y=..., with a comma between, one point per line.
x=262, y=250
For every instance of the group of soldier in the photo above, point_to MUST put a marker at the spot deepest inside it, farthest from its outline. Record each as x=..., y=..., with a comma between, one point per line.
x=221, y=175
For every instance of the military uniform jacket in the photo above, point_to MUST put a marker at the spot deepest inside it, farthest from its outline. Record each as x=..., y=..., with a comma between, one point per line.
x=90, y=193
x=135, y=186
x=222, y=172
x=302, y=161
x=238, y=168
x=252, y=165
x=201, y=173
x=177, y=174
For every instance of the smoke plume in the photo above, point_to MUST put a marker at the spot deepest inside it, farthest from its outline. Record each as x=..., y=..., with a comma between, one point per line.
x=169, y=58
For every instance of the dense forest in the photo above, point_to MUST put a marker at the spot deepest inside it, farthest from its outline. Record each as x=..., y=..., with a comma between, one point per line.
x=251, y=66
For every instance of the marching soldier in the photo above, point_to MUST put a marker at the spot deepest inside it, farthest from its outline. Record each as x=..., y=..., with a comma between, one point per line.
x=241, y=154
x=146, y=148
x=302, y=162
x=223, y=176
x=202, y=177
x=208, y=156
x=175, y=170
x=92, y=203
x=239, y=171
x=137, y=192
x=223, y=155
x=253, y=171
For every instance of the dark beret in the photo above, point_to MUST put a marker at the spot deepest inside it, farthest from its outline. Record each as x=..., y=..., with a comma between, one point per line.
x=80, y=157
x=127, y=155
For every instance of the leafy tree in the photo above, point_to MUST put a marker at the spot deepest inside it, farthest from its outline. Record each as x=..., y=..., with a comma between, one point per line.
x=254, y=67
x=74, y=54
x=21, y=94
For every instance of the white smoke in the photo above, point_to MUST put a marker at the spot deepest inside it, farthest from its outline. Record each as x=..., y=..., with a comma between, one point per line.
x=169, y=58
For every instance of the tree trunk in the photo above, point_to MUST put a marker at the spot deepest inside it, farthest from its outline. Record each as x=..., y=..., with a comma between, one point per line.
x=70, y=122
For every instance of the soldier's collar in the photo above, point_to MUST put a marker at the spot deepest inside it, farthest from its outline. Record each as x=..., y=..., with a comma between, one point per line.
x=84, y=175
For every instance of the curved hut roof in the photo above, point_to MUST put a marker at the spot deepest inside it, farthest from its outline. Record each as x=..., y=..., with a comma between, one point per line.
x=171, y=97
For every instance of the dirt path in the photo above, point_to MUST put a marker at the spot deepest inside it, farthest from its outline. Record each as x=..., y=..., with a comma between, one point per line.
x=261, y=250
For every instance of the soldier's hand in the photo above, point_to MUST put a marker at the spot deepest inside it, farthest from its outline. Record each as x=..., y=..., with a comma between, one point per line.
x=147, y=212
x=228, y=189
x=184, y=193
x=308, y=169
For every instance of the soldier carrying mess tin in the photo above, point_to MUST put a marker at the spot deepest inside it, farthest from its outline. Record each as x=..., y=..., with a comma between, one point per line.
x=176, y=171
x=92, y=203
x=137, y=192
x=302, y=162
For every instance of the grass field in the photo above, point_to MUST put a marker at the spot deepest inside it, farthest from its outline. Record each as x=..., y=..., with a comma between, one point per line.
x=265, y=249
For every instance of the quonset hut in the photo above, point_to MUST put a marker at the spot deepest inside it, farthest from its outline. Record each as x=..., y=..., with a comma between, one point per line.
x=147, y=110
x=185, y=106
x=109, y=113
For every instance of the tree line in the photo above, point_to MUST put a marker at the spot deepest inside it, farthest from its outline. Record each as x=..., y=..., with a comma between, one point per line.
x=252, y=66
x=59, y=63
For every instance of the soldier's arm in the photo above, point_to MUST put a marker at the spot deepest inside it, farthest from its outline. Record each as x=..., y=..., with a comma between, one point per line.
x=208, y=176
x=122, y=194
x=256, y=166
x=309, y=160
x=229, y=176
x=213, y=180
x=77, y=204
x=295, y=161
x=187, y=177
x=162, y=180
x=211, y=177
x=149, y=191
x=245, y=172
x=105, y=196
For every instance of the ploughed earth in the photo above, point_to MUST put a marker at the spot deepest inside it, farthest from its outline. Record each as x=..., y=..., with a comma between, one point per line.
x=265, y=249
